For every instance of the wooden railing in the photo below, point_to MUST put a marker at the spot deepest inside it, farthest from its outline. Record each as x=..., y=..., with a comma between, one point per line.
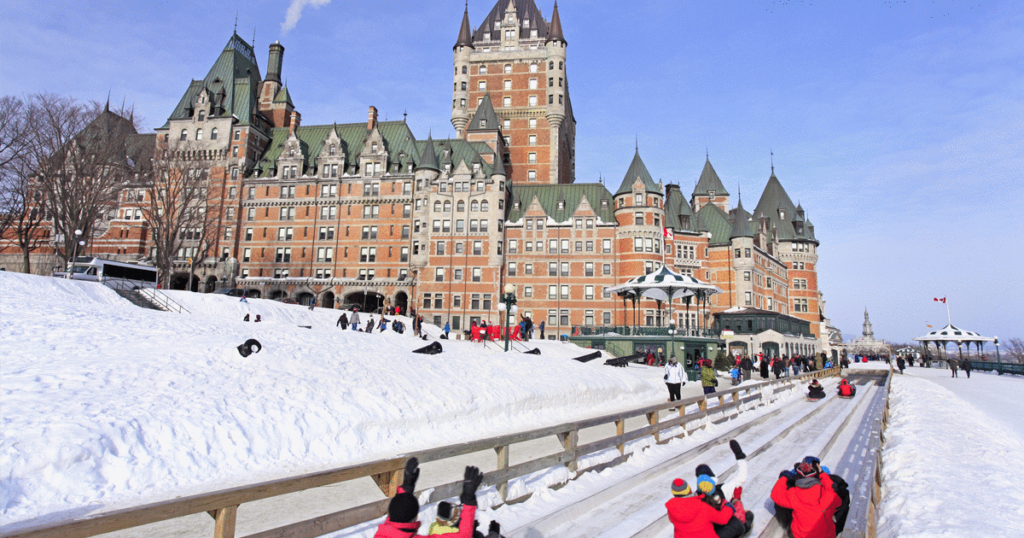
x=387, y=474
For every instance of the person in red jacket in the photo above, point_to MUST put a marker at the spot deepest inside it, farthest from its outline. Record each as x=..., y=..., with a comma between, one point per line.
x=812, y=500
x=404, y=507
x=846, y=390
x=691, y=516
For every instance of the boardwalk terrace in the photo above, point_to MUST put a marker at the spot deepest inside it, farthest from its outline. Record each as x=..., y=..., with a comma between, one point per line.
x=367, y=212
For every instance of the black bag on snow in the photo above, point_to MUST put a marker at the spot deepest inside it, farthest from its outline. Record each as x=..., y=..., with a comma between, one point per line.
x=433, y=349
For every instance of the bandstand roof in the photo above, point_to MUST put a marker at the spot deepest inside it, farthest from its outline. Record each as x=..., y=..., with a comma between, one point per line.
x=664, y=285
x=952, y=333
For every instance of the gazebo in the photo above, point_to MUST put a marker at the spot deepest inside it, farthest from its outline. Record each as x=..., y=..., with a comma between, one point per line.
x=952, y=333
x=666, y=285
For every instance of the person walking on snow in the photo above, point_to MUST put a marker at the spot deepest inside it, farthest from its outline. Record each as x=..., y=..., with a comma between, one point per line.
x=764, y=368
x=674, y=379
x=355, y=319
x=708, y=378
x=746, y=366
x=966, y=368
x=953, y=365
x=343, y=321
x=901, y=364
x=735, y=373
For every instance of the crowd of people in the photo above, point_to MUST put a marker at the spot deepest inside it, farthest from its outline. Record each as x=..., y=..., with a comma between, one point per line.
x=354, y=321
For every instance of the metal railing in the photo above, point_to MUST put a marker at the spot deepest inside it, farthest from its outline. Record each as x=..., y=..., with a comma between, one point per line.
x=387, y=474
x=151, y=295
x=622, y=330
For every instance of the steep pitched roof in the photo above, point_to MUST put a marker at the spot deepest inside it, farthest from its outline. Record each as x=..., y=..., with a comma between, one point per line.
x=485, y=119
x=549, y=195
x=709, y=181
x=283, y=96
x=465, y=35
x=428, y=159
x=555, y=28
x=778, y=207
x=236, y=75
x=740, y=222
x=398, y=139
x=637, y=169
x=676, y=207
x=526, y=10
x=717, y=222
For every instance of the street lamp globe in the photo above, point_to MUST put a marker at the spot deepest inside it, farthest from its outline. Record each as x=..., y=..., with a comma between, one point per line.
x=501, y=307
x=510, y=288
x=515, y=308
x=78, y=232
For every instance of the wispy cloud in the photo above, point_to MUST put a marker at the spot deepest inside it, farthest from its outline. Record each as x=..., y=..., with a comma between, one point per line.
x=294, y=12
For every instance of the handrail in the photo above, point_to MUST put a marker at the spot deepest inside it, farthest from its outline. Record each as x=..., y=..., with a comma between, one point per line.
x=162, y=299
x=387, y=474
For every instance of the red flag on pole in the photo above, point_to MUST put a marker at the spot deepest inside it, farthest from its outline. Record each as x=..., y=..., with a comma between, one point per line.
x=942, y=300
x=669, y=234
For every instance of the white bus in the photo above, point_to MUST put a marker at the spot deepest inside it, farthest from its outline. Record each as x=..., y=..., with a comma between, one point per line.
x=117, y=275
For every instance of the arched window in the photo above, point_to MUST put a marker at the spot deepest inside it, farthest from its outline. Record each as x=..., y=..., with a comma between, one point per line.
x=463, y=70
x=213, y=134
x=474, y=206
x=199, y=134
x=551, y=65
x=447, y=206
x=202, y=115
x=437, y=206
x=484, y=206
x=184, y=134
x=508, y=68
x=461, y=206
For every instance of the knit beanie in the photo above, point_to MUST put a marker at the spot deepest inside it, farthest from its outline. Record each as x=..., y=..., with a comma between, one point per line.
x=805, y=469
x=404, y=508
x=444, y=510
x=703, y=469
x=705, y=484
x=680, y=488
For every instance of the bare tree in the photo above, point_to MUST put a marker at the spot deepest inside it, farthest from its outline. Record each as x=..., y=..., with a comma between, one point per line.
x=183, y=222
x=82, y=163
x=22, y=212
x=1015, y=349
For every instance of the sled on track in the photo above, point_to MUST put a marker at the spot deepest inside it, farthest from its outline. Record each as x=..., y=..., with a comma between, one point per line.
x=809, y=399
x=846, y=397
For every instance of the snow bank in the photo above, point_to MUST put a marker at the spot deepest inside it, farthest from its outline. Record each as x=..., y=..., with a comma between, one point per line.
x=106, y=405
x=949, y=467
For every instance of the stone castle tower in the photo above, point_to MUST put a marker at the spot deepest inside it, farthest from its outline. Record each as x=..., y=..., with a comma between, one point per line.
x=517, y=60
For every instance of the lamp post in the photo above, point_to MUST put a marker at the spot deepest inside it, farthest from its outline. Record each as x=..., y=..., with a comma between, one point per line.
x=508, y=307
x=672, y=336
x=998, y=360
x=74, y=251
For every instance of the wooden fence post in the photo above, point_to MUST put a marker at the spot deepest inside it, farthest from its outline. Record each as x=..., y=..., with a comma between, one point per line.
x=652, y=419
x=569, y=441
x=388, y=482
x=620, y=430
x=502, y=452
x=224, y=527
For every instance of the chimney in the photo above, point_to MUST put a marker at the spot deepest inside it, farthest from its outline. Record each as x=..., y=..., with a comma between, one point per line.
x=274, y=64
x=372, y=121
x=294, y=121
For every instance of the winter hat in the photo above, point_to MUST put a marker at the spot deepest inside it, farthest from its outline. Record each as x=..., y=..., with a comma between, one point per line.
x=680, y=488
x=705, y=484
x=704, y=469
x=404, y=508
x=805, y=469
x=446, y=511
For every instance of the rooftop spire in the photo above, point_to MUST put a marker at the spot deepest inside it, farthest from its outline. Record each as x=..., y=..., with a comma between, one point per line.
x=106, y=108
x=555, y=28
x=235, y=30
x=772, y=157
x=465, y=36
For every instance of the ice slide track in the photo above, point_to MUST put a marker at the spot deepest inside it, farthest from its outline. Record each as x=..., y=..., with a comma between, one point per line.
x=635, y=506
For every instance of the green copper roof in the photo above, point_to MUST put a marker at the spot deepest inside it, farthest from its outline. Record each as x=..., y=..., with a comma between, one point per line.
x=717, y=222
x=283, y=96
x=398, y=139
x=740, y=222
x=549, y=195
x=775, y=204
x=677, y=207
x=235, y=76
x=637, y=169
x=428, y=159
x=709, y=181
x=485, y=119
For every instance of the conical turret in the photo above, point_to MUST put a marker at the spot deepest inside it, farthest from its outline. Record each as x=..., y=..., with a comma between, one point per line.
x=555, y=28
x=465, y=35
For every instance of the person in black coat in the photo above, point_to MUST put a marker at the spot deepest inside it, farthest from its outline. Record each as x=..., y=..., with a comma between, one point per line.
x=764, y=367
x=901, y=364
x=966, y=367
x=746, y=365
x=343, y=321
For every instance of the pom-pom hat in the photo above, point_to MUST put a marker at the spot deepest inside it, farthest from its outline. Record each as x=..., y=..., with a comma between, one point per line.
x=680, y=488
x=705, y=484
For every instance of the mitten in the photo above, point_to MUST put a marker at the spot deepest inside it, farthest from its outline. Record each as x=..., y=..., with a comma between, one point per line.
x=787, y=474
x=737, y=493
x=470, y=483
x=412, y=473
x=825, y=470
x=736, y=450
x=494, y=529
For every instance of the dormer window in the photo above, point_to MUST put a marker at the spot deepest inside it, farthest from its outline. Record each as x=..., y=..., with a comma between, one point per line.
x=561, y=204
x=711, y=194
x=202, y=115
x=526, y=23
x=446, y=152
x=515, y=205
x=331, y=150
x=373, y=147
x=782, y=214
x=483, y=124
x=604, y=204
x=291, y=152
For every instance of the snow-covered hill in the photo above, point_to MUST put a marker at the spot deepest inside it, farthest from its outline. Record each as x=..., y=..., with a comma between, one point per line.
x=107, y=404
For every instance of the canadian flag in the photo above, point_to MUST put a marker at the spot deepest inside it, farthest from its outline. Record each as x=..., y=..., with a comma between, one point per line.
x=942, y=300
x=668, y=234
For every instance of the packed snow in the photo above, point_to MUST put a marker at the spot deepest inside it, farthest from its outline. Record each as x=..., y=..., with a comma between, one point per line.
x=108, y=405
x=952, y=456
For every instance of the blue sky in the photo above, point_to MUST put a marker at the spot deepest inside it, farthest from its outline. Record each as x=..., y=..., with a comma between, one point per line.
x=899, y=125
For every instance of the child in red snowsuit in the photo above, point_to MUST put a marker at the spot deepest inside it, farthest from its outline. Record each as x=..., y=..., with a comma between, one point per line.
x=404, y=508
x=812, y=500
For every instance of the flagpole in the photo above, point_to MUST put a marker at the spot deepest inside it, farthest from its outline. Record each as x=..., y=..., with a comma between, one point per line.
x=948, y=318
